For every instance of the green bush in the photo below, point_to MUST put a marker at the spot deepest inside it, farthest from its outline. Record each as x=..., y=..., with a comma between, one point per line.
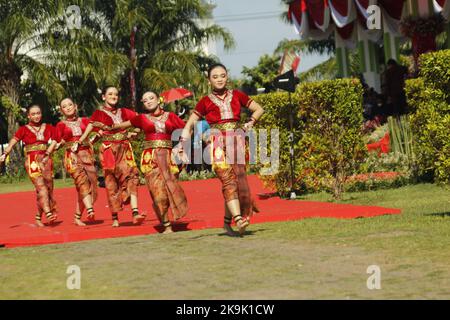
x=428, y=97
x=276, y=116
x=435, y=70
x=327, y=135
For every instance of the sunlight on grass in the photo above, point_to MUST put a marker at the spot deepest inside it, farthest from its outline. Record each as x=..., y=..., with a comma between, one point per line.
x=311, y=258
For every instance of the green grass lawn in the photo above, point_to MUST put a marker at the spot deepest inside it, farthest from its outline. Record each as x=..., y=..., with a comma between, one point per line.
x=312, y=258
x=26, y=185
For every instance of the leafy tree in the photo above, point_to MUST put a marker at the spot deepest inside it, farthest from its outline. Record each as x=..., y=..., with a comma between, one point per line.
x=262, y=75
x=36, y=43
x=24, y=30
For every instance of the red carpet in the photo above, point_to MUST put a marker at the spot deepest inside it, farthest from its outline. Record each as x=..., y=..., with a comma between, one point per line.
x=17, y=212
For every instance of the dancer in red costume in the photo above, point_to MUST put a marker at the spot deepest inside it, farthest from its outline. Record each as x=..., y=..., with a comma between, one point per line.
x=36, y=136
x=116, y=156
x=156, y=161
x=79, y=164
x=222, y=109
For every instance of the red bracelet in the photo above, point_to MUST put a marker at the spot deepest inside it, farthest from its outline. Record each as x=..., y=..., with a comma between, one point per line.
x=253, y=119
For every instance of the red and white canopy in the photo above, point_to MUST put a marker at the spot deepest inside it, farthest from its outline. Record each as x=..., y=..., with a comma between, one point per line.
x=316, y=18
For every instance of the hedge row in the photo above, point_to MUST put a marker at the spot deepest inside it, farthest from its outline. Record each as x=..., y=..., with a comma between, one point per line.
x=327, y=134
x=429, y=99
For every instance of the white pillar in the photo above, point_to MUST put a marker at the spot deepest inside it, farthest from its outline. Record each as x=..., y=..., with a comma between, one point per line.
x=342, y=53
x=368, y=56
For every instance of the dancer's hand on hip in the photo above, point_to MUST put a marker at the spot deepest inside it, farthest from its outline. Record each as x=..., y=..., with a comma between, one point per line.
x=75, y=146
x=178, y=152
x=248, y=125
x=45, y=158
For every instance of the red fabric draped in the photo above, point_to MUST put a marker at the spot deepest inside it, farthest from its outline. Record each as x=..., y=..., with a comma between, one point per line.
x=441, y=2
x=395, y=8
x=297, y=8
x=346, y=32
x=365, y=3
x=341, y=6
x=316, y=10
x=361, y=19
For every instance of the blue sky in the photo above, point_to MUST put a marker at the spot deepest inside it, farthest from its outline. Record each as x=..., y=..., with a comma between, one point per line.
x=257, y=30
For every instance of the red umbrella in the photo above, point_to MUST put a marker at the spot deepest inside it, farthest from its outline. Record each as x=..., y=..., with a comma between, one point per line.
x=175, y=94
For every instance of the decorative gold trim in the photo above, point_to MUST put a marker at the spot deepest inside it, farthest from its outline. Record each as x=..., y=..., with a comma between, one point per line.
x=226, y=112
x=154, y=144
x=69, y=144
x=35, y=147
x=74, y=126
x=38, y=133
x=116, y=118
x=159, y=122
x=115, y=137
x=225, y=126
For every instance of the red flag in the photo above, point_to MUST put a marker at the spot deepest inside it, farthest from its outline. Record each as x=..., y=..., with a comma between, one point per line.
x=290, y=61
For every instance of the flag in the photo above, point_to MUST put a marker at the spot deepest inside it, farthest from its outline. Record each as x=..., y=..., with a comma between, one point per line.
x=290, y=61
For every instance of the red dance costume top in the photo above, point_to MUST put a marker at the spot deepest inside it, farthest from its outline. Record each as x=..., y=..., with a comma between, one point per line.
x=216, y=110
x=34, y=135
x=158, y=128
x=69, y=131
x=109, y=118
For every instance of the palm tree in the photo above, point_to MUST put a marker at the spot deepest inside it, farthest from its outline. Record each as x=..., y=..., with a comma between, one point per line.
x=38, y=44
x=23, y=27
x=167, y=41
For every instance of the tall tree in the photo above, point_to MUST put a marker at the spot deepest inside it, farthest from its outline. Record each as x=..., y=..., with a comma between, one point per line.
x=167, y=42
x=24, y=29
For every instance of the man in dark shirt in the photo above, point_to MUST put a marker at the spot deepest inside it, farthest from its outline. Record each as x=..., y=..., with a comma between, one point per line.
x=394, y=78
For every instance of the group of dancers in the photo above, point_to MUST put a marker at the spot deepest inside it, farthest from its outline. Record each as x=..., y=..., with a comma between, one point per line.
x=108, y=125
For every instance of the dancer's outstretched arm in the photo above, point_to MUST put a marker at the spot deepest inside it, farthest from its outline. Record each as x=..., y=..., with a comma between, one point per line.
x=189, y=127
x=8, y=149
x=86, y=132
x=123, y=125
x=185, y=135
x=83, y=137
x=54, y=145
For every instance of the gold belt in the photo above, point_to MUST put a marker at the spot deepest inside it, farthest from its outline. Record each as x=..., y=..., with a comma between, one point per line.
x=115, y=137
x=35, y=147
x=153, y=144
x=225, y=126
x=69, y=145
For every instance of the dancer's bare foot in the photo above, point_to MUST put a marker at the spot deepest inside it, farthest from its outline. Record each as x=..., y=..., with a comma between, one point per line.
x=229, y=230
x=39, y=224
x=79, y=223
x=91, y=216
x=138, y=219
x=168, y=230
x=51, y=217
x=115, y=224
x=242, y=225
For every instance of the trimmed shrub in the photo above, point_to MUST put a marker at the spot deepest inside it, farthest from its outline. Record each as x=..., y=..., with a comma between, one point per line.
x=429, y=100
x=327, y=134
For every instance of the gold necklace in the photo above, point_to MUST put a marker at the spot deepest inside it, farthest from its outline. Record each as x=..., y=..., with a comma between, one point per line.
x=39, y=133
x=74, y=126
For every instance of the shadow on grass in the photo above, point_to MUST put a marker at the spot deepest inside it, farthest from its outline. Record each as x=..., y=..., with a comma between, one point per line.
x=440, y=214
x=246, y=233
x=224, y=234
